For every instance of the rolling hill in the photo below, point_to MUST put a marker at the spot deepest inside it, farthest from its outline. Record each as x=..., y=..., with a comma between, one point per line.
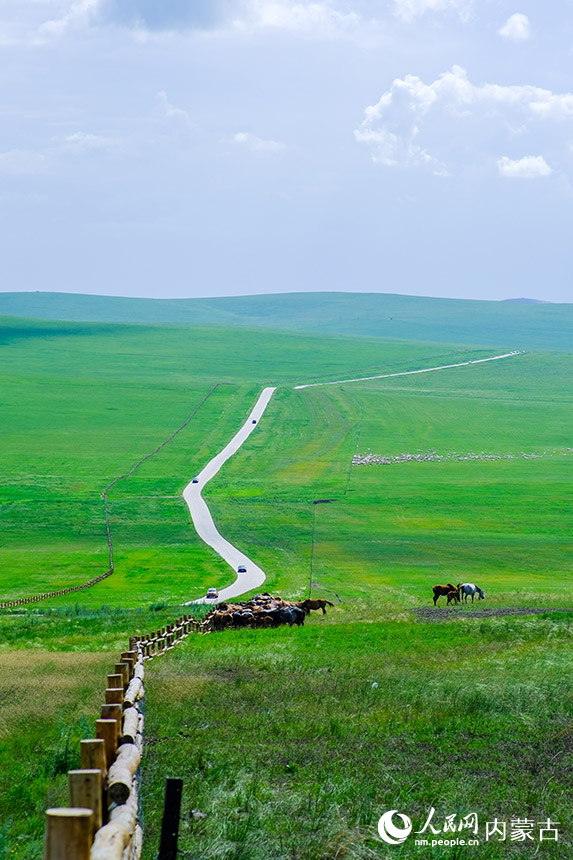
x=521, y=325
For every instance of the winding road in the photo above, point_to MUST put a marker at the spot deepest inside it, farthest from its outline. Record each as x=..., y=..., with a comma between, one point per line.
x=203, y=521
x=254, y=576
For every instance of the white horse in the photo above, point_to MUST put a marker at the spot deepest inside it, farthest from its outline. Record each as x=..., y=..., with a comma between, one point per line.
x=467, y=588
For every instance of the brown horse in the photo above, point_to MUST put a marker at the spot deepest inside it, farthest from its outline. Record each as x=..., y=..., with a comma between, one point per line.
x=307, y=605
x=450, y=591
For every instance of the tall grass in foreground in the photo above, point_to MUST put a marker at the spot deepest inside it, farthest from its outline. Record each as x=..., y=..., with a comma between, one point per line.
x=292, y=743
x=48, y=702
x=53, y=670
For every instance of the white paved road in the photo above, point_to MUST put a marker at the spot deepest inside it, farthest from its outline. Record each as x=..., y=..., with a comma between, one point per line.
x=203, y=521
x=254, y=576
x=410, y=372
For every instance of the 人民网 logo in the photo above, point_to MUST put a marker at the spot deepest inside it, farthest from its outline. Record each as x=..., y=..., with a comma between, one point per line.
x=389, y=832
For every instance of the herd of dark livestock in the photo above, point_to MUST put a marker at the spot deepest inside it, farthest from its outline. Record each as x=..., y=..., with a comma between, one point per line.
x=262, y=610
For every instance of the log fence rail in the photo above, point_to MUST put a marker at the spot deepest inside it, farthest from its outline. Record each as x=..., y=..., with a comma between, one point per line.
x=101, y=822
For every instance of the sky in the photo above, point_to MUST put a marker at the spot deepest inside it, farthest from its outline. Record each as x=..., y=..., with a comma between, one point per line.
x=186, y=148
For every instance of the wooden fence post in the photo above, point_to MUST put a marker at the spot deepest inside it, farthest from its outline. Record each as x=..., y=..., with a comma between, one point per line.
x=130, y=658
x=108, y=731
x=86, y=790
x=112, y=712
x=123, y=670
x=68, y=834
x=92, y=753
x=93, y=756
x=114, y=696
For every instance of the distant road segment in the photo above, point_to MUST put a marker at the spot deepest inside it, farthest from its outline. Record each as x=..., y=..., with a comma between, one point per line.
x=203, y=521
x=409, y=372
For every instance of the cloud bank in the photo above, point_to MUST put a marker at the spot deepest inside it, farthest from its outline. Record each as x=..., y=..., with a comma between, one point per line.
x=452, y=123
x=319, y=18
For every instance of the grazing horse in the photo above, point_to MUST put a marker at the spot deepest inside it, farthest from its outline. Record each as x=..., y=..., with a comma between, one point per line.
x=450, y=591
x=307, y=605
x=467, y=588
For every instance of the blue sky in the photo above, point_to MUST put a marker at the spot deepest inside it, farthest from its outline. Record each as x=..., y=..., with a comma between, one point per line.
x=175, y=148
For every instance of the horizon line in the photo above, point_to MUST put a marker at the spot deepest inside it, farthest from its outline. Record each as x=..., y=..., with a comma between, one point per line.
x=511, y=299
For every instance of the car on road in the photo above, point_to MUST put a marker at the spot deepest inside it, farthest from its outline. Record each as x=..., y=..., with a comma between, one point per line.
x=212, y=594
x=195, y=481
x=241, y=569
x=254, y=421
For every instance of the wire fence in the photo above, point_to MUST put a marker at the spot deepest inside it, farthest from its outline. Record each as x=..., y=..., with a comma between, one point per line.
x=21, y=601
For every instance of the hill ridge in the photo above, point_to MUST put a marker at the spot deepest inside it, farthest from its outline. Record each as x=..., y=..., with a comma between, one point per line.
x=514, y=324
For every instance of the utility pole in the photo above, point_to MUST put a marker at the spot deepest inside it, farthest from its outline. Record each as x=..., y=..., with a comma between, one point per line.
x=314, y=503
x=312, y=548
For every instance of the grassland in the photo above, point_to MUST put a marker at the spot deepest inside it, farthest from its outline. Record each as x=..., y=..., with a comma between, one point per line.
x=501, y=523
x=83, y=403
x=301, y=754
x=529, y=326
x=293, y=744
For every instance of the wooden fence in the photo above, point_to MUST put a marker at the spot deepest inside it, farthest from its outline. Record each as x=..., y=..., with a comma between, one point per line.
x=101, y=822
x=6, y=604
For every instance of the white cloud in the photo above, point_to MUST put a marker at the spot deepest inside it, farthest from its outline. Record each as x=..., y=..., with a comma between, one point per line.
x=312, y=18
x=81, y=141
x=19, y=162
x=453, y=122
x=320, y=17
x=410, y=9
x=528, y=167
x=257, y=144
x=38, y=22
x=79, y=13
x=516, y=27
x=172, y=112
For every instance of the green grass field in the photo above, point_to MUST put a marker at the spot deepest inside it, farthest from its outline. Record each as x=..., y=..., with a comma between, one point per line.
x=83, y=403
x=302, y=755
x=289, y=750
x=522, y=325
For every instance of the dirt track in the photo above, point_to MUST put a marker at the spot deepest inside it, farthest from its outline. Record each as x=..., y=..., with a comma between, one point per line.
x=435, y=613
